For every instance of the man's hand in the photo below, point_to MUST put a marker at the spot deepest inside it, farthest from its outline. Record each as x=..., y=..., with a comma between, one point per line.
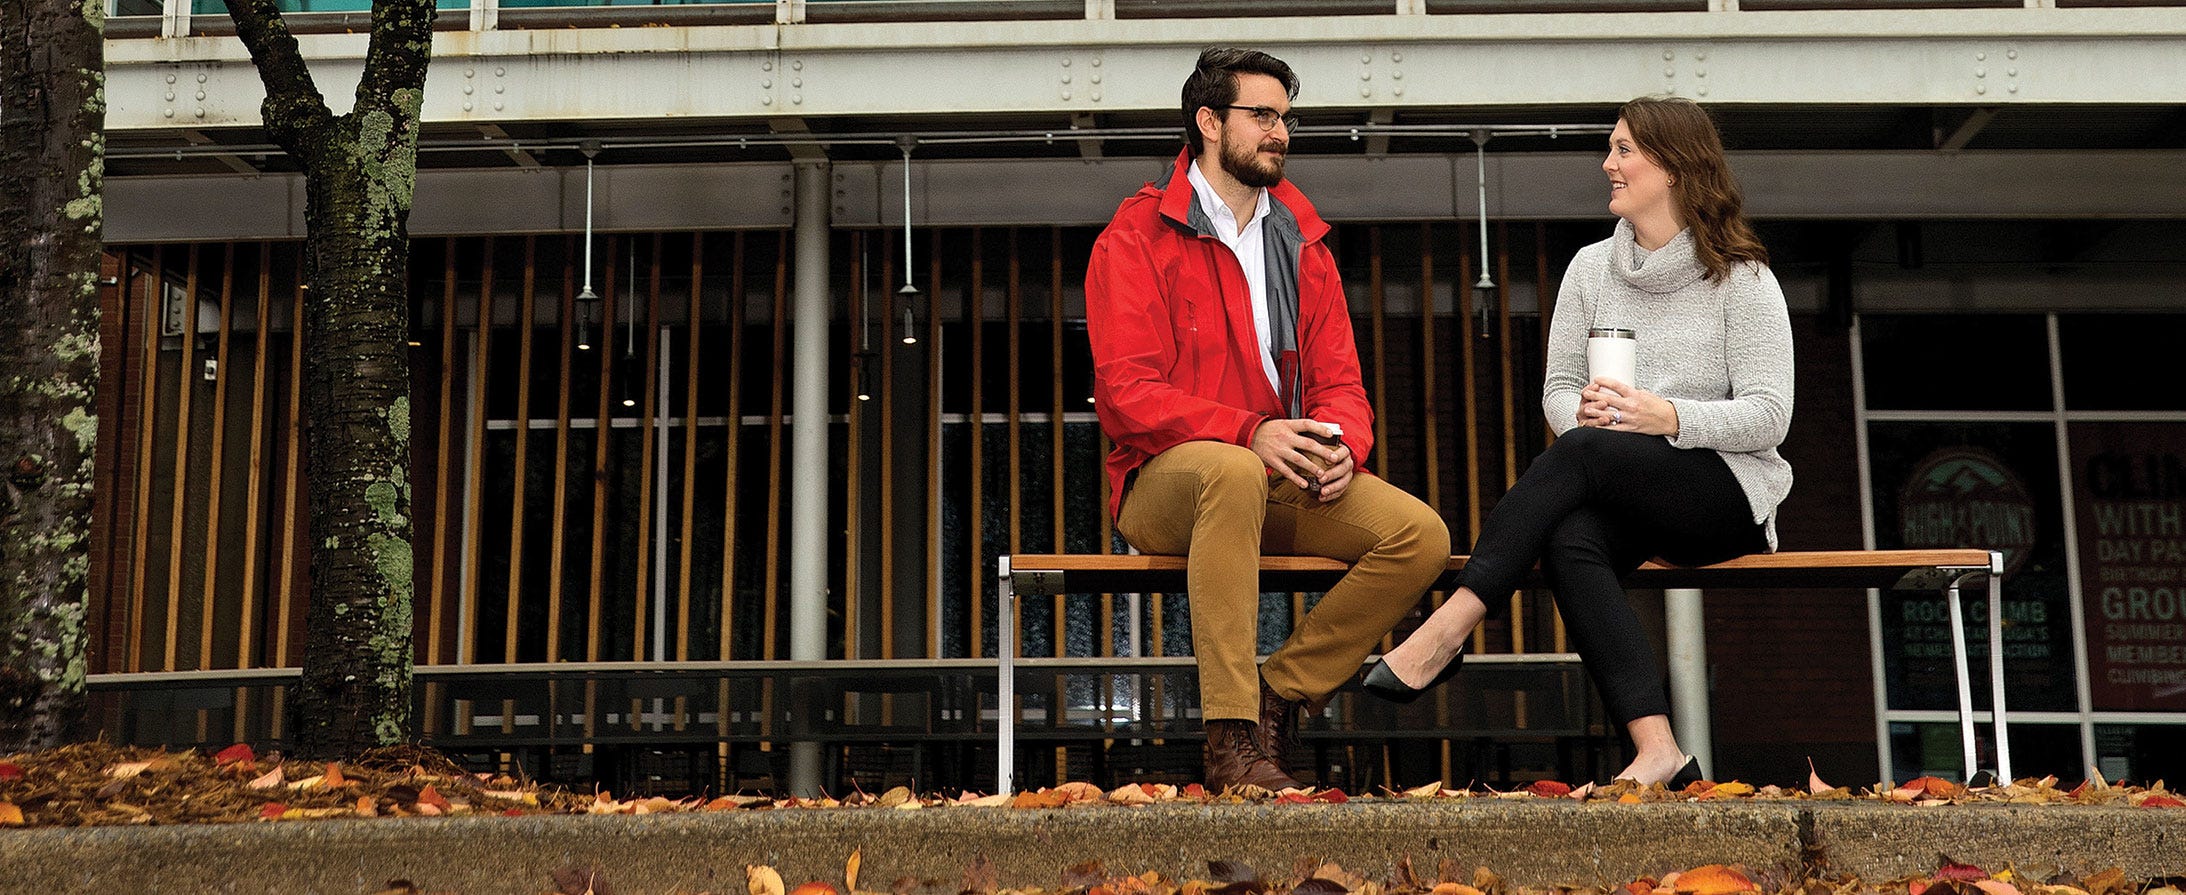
x=1290, y=448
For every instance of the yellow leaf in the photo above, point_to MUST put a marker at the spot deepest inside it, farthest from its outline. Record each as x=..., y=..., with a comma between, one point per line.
x=510, y=795
x=850, y=869
x=10, y=816
x=309, y=783
x=1713, y=879
x=1728, y=790
x=759, y=879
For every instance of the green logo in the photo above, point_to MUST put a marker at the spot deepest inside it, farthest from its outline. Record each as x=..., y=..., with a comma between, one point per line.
x=1967, y=497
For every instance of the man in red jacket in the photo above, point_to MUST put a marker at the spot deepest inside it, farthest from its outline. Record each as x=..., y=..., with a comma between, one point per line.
x=1225, y=372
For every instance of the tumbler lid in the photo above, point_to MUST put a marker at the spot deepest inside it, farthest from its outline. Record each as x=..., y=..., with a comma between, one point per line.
x=1609, y=332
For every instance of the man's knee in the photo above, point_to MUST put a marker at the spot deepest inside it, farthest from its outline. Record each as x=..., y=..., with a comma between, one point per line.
x=1421, y=535
x=1226, y=470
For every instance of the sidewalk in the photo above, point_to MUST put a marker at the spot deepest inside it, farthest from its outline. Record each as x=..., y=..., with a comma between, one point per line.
x=1530, y=842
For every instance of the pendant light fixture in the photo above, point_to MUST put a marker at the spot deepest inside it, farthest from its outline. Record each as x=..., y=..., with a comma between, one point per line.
x=587, y=299
x=630, y=330
x=909, y=291
x=1485, y=286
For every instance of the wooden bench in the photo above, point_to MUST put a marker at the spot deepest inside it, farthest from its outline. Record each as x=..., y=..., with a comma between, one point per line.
x=1929, y=570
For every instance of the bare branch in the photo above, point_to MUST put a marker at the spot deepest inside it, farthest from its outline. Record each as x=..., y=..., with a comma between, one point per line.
x=402, y=43
x=295, y=112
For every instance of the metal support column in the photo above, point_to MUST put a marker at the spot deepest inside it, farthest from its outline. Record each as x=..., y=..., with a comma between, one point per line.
x=1688, y=648
x=807, y=481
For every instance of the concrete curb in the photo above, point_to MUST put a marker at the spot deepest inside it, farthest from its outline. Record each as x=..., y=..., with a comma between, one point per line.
x=1528, y=842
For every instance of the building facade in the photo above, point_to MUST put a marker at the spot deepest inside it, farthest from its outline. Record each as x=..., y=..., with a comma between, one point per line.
x=1975, y=212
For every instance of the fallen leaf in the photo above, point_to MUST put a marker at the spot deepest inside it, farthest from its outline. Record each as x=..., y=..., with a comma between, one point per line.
x=10, y=816
x=893, y=798
x=1040, y=798
x=1946, y=868
x=333, y=778
x=1728, y=790
x=760, y=879
x=1078, y=791
x=978, y=876
x=239, y=753
x=1453, y=889
x=268, y=780
x=1319, y=886
x=1549, y=789
x=1131, y=794
x=272, y=811
x=1996, y=887
x=2107, y=882
x=366, y=807
x=128, y=769
x=2160, y=800
x=850, y=869
x=814, y=887
x=430, y=797
x=993, y=801
x=1079, y=876
x=1713, y=879
x=1424, y=792
x=8, y=771
x=580, y=881
x=1232, y=871
x=1814, y=778
x=1331, y=796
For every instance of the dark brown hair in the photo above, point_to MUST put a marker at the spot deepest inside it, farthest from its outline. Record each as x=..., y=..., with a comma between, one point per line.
x=1213, y=84
x=1680, y=137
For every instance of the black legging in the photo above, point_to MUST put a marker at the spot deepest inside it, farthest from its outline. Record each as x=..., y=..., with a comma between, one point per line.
x=1591, y=509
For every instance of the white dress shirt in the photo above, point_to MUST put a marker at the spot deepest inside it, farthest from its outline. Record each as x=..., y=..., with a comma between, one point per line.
x=1251, y=251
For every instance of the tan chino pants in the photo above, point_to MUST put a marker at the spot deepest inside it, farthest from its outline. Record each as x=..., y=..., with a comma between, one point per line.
x=1214, y=503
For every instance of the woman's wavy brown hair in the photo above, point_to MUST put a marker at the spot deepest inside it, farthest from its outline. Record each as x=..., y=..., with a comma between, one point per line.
x=1680, y=137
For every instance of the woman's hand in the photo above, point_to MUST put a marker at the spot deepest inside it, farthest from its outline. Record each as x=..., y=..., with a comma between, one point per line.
x=1608, y=404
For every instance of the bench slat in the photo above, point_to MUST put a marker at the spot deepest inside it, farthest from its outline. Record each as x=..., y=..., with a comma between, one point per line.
x=1054, y=573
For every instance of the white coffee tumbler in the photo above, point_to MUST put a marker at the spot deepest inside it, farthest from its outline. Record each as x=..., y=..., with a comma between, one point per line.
x=1612, y=353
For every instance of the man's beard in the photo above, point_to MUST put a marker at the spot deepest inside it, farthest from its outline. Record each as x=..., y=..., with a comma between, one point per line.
x=1243, y=163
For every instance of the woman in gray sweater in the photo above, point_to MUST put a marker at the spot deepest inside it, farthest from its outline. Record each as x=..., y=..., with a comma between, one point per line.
x=1681, y=464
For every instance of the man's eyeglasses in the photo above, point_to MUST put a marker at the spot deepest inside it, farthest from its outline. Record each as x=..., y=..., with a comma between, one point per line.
x=1267, y=118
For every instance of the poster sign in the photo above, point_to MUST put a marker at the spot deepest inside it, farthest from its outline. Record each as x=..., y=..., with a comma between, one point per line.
x=2129, y=486
x=1967, y=497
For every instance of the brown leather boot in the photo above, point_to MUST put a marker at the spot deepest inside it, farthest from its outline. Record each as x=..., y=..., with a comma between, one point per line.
x=1278, y=726
x=1234, y=757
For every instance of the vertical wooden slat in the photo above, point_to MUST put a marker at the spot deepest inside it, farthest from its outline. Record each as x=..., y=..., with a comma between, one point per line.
x=975, y=313
x=1056, y=441
x=557, y=536
x=436, y=605
x=1509, y=392
x=933, y=450
x=292, y=478
x=887, y=376
x=526, y=304
x=1465, y=334
x=474, y=448
x=774, y=446
x=735, y=437
x=182, y=456
x=1377, y=302
x=254, y=536
x=217, y=462
x=597, y=582
x=649, y=432
x=147, y=426
x=690, y=447
x=1545, y=302
x=853, y=480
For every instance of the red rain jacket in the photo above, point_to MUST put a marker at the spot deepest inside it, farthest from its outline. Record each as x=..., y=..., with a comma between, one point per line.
x=1175, y=356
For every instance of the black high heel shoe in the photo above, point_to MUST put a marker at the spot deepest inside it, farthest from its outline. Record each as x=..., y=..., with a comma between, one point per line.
x=1384, y=683
x=1685, y=776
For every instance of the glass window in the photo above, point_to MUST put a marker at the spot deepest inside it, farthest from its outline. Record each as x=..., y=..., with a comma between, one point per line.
x=1987, y=485
x=2115, y=361
x=1965, y=362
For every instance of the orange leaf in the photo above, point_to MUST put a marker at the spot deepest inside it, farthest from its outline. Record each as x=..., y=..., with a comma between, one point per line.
x=1714, y=879
x=1915, y=887
x=10, y=816
x=431, y=796
x=1194, y=791
x=814, y=887
x=1937, y=788
x=1045, y=798
x=272, y=811
x=1640, y=887
x=1630, y=798
x=333, y=778
x=1453, y=889
x=366, y=807
x=1549, y=789
x=8, y=771
x=238, y=753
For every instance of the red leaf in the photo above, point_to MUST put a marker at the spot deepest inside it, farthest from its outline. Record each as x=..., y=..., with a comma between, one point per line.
x=1549, y=789
x=1915, y=887
x=1195, y=791
x=2077, y=791
x=240, y=752
x=8, y=771
x=432, y=796
x=513, y=812
x=272, y=811
x=1954, y=870
x=1293, y=798
x=2162, y=802
x=1331, y=796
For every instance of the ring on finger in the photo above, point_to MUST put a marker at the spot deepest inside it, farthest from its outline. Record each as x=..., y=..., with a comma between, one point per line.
x=1616, y=416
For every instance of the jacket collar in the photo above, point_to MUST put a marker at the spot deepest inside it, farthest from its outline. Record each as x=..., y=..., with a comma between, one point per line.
x=1180, y=207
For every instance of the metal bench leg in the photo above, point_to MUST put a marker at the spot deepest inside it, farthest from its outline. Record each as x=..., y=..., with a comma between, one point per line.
x=1964, y=670
x=1005, y=688
x=1996, y=665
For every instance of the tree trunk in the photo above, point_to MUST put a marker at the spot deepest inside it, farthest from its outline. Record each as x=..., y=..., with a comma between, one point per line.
x=359, y=171
x=52, y=111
